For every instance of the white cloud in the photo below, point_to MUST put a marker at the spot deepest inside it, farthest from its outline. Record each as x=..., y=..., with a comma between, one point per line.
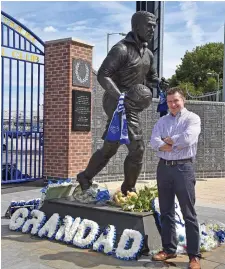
x=172, y=51
x=50, y=29
x=23, y=21
x=190, y=13
x=77, y=28
x=198, y=30
x=111, y=7
x=81, y=22
x=173, y=17
x=31, y=15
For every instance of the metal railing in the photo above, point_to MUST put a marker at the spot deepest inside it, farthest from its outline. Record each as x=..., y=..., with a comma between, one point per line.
x=215, y=96
x=22, y=63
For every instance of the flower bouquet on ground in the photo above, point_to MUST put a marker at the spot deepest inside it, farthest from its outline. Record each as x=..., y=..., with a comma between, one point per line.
x=96, y=194
x=212, y=235
x=30, y=205
x=58, y=189
x=136, y=202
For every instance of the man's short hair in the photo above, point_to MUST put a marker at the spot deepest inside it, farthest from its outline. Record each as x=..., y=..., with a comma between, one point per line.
x=136, y=18
x=174, y=90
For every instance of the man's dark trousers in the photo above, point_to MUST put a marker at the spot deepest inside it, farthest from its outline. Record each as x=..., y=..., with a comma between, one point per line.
x=177, y=180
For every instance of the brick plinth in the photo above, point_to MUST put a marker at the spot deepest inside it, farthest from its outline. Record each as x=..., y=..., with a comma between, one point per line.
x=65, y=152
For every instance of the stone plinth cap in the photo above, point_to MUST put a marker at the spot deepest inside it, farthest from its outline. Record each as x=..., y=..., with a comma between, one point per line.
x=75, y=40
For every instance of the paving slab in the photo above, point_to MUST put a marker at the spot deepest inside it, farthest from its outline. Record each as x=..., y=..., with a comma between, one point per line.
x=28, y=265
x=208, y=264
x=220, y=266
x=217, y=256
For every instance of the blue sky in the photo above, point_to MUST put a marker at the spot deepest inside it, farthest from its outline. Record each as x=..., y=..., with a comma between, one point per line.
x=187, y=24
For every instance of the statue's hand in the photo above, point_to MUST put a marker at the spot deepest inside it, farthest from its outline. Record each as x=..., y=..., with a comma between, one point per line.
x=164, y=84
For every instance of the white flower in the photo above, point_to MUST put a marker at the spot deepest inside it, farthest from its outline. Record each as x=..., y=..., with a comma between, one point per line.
x=156, y=204
x=106, y=240
x=131, y=253
x=181, y=250
x=57, y=185
x=178, y=214
x=67, y=223
x=85, y=242
x=208, y=241
x=50, y=228
x=37, y=220
x=18, y=219
x=70, y=231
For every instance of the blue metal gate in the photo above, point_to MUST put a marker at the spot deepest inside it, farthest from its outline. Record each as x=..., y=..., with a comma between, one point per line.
x=22, y=56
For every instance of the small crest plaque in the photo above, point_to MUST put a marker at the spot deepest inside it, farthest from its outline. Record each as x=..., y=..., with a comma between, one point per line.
x=81, y=73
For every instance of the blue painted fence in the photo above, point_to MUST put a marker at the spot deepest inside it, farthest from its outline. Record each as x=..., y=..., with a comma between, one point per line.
x=22, y=91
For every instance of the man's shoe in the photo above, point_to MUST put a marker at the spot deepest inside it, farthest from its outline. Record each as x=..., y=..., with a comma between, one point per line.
x=194, y=263
x=162, y=256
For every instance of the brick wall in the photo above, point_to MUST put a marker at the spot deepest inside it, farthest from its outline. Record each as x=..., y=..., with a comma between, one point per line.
x=79, y=142
x=65, y=152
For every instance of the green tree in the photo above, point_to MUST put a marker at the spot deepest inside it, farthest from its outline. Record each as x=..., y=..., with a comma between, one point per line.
x=190, y=89
x=196, y=64
x=173, y=81
x=211, y=84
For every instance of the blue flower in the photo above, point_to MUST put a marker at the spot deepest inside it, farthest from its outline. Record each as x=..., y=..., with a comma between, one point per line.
x=220, y=235
x=103, y=196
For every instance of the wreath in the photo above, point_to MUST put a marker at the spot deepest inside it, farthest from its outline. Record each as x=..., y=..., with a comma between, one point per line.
x=85, y=79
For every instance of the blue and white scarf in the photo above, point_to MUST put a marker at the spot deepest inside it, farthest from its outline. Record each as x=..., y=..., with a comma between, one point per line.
x=162, y=106
x=118, y=130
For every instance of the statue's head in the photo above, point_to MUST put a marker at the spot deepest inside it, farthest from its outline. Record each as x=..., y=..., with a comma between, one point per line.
x=143, y=25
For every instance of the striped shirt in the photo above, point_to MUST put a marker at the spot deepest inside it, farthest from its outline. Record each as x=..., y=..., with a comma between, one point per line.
x=183, y=129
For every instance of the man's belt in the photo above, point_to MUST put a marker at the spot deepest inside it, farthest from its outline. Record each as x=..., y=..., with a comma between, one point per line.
x=175, y=162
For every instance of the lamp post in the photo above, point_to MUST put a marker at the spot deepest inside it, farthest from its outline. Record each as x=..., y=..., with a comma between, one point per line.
x=218, y=83
x=223, y=91
x=108, y=34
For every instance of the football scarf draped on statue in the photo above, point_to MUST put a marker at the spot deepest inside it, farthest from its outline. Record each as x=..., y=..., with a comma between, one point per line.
x=118, y=130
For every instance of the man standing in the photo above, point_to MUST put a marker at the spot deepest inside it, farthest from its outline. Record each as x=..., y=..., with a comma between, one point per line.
x=128, y=63
x=175, y=138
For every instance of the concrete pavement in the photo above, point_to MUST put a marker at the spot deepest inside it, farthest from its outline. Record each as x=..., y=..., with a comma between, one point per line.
x=24, y=251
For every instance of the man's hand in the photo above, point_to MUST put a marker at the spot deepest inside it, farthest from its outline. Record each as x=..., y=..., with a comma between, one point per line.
x=168, y=140
x=166, y=148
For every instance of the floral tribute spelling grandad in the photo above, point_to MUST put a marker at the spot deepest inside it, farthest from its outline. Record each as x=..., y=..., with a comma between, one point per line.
x=81, y=233
x=106, y=240
x=26, y=217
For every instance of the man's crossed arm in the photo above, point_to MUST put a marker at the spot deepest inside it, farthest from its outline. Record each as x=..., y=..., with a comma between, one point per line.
x=157, y=142
x=185, y=138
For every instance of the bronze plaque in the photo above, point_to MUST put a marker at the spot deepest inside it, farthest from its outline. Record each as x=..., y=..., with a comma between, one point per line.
x=81, y=111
